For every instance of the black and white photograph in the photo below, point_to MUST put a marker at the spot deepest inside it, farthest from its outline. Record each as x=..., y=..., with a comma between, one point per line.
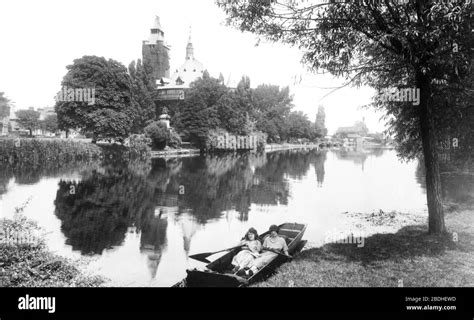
x=174, y=144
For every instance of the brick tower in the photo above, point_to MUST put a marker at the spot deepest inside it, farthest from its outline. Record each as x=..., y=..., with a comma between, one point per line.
x=156, y=53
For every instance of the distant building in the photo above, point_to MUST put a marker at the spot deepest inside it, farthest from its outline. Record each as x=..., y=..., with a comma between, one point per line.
x=155, y=52
x=174, y=89
x=359, y=128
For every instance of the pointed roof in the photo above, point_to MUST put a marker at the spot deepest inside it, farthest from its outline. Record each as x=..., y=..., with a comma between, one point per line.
x=156, y=32
x=156, y=23
x=189, y=47
x=190, y=71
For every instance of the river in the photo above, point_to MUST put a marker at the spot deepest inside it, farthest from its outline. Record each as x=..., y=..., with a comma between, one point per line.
x=136, y=224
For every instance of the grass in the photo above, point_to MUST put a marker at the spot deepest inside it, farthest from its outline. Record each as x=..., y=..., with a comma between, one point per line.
x=34, y=152
x=410, y=257
x=32, y=265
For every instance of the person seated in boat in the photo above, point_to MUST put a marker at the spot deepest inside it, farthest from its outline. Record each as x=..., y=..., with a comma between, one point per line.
x=251, y=247
x=273, y=242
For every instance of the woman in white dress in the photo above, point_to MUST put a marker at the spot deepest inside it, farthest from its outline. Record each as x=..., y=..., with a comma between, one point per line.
x=250, y=251
x=273, y=242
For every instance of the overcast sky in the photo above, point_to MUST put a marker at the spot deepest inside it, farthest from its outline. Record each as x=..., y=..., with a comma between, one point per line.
x=40, y=38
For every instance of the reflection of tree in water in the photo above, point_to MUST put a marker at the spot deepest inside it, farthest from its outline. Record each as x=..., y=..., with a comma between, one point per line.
x=377, y=152
x=214, y=184
x=31, y=175
x=96, y=212
x=272, y=187
x=356, y=156
x=457, y=188
x=319, y=167
x=111, y=199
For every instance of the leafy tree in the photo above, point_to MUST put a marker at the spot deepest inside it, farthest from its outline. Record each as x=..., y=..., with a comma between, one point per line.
x=159, y=134
x=235, y=107
x=143, y=89
x=4, y=106
x=28, y=119
x=221, y=78
x=271, y=106
x=50, y=123
x=113, y=114
x=320, y=124
x=382, y=44
x=200, y=112
x=299, y=126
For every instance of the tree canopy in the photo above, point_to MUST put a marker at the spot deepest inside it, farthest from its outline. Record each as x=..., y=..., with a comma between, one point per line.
x=112, y=115
x=384, y=44
x=4, y=106
x=143, y=89
x=200, y=111
x=50, y=123
x=28, y=119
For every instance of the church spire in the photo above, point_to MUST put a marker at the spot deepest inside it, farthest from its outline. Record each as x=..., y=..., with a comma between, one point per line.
x=190, y=48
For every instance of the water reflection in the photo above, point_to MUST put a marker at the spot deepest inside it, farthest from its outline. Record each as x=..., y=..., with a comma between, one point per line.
x=455, y=187
x=143, y=220
x=153, y=241
x=25, y=175
x=97, y=210
x=319, y=168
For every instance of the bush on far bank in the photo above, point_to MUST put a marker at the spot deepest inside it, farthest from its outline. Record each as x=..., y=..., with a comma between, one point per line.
x=37, y=151
x=34, y=152
x=161, y=136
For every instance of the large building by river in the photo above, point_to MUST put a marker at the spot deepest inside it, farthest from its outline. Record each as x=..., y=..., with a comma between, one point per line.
x=156, y=56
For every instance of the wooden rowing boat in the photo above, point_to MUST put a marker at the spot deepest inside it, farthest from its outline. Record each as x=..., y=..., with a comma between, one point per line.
x=218, y=274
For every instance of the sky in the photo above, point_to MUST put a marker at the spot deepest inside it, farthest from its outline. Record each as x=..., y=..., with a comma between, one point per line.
x=40, y=38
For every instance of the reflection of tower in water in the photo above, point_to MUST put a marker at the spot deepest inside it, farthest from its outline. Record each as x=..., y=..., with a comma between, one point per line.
x=153, y=241
x=189, y=227
x=319, y=168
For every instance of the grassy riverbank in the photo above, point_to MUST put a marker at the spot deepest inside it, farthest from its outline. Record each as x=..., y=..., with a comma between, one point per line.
x=409, y=257
x=29, y=263
x=33, y=152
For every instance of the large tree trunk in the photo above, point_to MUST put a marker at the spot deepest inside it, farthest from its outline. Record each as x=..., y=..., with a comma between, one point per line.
x=428, y=138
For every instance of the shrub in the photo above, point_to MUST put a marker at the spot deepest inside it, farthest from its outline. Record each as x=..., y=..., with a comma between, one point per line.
x=139, y=145
x=175, y=140
x=27, y=262
x=32, y=152
x=159, y=134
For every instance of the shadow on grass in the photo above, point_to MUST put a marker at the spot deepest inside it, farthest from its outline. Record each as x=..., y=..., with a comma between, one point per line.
x=409, y=242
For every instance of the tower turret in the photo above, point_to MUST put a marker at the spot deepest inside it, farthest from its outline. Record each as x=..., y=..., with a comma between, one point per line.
x=190, y=48
x=155, y=52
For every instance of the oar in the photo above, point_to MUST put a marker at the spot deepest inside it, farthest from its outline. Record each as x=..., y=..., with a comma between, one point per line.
x=274, y=251
x=202, y=256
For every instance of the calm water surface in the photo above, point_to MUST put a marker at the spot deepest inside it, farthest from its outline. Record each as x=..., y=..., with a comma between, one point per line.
x=139, y=222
